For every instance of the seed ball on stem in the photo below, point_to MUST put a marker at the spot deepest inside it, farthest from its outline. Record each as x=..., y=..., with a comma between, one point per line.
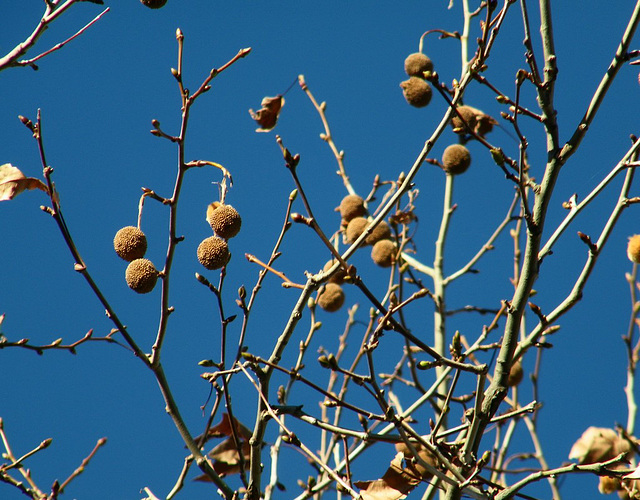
x=338, y=277
x=416, y=91
x=384, y=252
x=381, y=232
x=416, y=64
x=224, y=220
x=456, y=159
x=141, y=275
x=355, y=228
x=331, y=297
x=470, y=116
x=213, y=253
x=130, y=243
x=352, y=206
x=515, y=374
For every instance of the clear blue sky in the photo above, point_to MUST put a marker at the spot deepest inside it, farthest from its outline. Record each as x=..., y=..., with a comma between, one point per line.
x=98, y=96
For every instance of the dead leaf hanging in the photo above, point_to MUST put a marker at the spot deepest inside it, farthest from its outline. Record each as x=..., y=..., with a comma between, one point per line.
x=225, y=455
x=396, y=483
x=598, y=444
x=267, y=116
x=13, y=182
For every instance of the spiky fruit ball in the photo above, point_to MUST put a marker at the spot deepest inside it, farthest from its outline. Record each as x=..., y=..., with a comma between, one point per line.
x=456, y=159
x=331, y=297
x=355, y=228
x=470, y=116
x=213, y=253
x=224, y=220
x=153, y=4
x=338, y=277
x=381, y=232
x=416, y=91
x=384, y=252
x=352, y=206
x=141, y=275
x=633, y=249
x=416, y=64
x=130, y=243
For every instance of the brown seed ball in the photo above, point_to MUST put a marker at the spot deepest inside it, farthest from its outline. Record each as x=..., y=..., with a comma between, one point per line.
x=383, y=253
x=381, y=232
x=633, y=249
x=470, y=116
x=352, y=206
x=213, y=253
x=355, y=228
x=153, y=4
x=456, y=159
x=416, y=91
x=224, y=220
x=130, y=243
x=141, y=275
x=515, y=374
x=416, y=64
x=331, y=298
x=338, y=277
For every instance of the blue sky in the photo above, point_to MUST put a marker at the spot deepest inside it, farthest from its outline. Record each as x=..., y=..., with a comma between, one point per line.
x=98, y=96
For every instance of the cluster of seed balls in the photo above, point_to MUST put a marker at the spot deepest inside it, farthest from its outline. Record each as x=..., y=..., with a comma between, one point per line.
x=130, y=243
x=353, y=212
x=213, y=252
x=416, y=90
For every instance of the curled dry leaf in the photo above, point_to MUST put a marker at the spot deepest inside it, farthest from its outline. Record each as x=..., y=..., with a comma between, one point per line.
x=225, y=455
x=598, y=444
x=633, y=475
x=396, y=483
x=267, y=116
x=13, y=182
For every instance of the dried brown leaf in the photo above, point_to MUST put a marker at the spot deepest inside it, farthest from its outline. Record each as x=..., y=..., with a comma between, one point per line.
x=396, y=483
x=267, y=116
x=225, y=455
x=13, y=182
x=417, y=468
x=633, y=475
x=598, y=444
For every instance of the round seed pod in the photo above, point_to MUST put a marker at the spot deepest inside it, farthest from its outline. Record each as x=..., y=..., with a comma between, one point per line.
x=416, y=91
x=213, y=253
x=331, y=297
x=153, y=4
x=470, y=116
x=355, y=228
x=456, y=159
x=141, y=275
x=384, y=252
x=633, y=249
x=416, y=64
x=224, y=220
x=515, y=374
x=338, y=277
x=381, y=232
x=352, y=206
x=130, y=243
